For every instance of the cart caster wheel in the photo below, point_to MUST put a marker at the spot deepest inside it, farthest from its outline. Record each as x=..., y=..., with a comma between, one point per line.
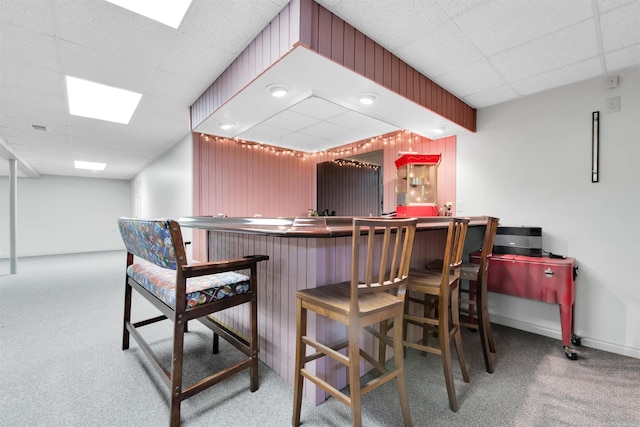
x=576, y=340
x=570, y=353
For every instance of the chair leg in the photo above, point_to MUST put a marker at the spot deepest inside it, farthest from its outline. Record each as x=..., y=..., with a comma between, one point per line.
x=216, y=343
x=127, y=315
x=445, y=354
x=301, y=330
x=382, y=346
x=254, y=342
x=485, y=330
x=354, y=375
x=426, y=312
x=176, y=373
x=457, y=337
x=398, y=354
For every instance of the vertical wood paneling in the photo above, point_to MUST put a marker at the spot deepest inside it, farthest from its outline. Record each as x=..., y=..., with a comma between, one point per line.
x=324, y=32
x=337, y=39
x=402, y=78
x=378, y=57
x=360, y=49
x=349, y=47
x=298, y=263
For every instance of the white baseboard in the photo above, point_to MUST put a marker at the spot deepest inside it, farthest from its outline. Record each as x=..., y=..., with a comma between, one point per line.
x=551, y=333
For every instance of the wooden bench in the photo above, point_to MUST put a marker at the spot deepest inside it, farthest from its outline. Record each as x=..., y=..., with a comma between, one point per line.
x=184, y=292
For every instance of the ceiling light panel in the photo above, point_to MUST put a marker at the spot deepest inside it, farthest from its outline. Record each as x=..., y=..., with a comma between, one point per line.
x=94, y=166
x=102, y=102
x=167, y=12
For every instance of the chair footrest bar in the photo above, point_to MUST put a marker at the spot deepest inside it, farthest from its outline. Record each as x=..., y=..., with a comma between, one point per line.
x=327, y=387
x=323, y=350
x=155, y=362
x=214, y=379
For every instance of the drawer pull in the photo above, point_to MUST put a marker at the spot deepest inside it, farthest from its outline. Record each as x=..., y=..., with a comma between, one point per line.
x=549, y=273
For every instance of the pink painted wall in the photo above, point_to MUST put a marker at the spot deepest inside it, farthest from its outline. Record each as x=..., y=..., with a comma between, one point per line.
x=239, y=178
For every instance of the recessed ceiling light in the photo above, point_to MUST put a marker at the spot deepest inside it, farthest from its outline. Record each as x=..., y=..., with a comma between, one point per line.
x=98, y=101
x=439, y=129
x=94, y=166
x=167, y=12
x=367, y=98
x=225, y=125
x=277, y=91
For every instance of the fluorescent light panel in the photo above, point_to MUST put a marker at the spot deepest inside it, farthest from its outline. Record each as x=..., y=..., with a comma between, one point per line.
x=94, y=166
x=98, y=101
x=167, y=12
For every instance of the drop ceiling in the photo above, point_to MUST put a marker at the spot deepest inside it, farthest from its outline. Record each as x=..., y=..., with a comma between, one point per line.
x=484, y=52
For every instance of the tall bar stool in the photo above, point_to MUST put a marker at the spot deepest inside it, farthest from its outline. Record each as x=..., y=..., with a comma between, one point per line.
x=474, y=313
x=376, y=296
x=476, y=302
x=440, y=306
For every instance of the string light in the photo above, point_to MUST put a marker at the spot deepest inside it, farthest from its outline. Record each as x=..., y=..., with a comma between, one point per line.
x=398, y=137
x=343, y=162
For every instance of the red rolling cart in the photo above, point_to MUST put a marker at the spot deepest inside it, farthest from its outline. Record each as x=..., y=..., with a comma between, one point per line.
x=545, y=279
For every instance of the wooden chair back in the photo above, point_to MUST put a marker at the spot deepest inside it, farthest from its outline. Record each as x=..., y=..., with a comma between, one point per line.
x=384, y=269
x=487, y=246
x=158, y=241
x=456, y=234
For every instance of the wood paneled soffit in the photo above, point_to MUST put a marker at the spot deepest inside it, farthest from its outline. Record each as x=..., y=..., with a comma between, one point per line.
x=304, y=23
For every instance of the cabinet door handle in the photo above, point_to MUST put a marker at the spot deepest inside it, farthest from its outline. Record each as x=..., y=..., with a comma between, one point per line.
x=548, y=272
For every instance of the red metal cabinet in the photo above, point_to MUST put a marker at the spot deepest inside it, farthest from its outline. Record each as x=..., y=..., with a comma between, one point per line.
x=550, y=280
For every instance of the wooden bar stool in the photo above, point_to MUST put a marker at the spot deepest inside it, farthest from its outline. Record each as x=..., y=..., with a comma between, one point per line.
x=474, y=312
x=477, y=316
x=376, y=296
x=440, y=306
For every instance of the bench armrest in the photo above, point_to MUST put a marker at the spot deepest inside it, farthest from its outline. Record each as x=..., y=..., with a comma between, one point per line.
x=204, y=268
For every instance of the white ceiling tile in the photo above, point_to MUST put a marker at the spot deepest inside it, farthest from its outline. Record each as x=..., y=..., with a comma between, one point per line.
x=30, y=77
x=302, y=142
x=33, y=14
x=290, y=120
x=621, y=27
x=317, y=108
x=188, y=57
x=570, y=45
x=264, y=133
x=472, y=78
x=209, y=20
x=562, y=76
x=623, y=58
x=604, y=5
x=181, y=90
x=28, y=47
x=491, y=97
x=103, y=67
x=111, y=29
x=390, y=25
x=501, y=25
x=455, y=8
x=354, y=120
x=445, y=49
x=324, y=130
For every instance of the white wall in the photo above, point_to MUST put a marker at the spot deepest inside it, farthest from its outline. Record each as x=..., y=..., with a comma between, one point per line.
x=530, y=164
x=164, y=189
x=58, y=214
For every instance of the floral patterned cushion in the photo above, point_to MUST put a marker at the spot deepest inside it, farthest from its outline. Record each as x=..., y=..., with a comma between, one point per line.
x=161, y=282
x=149, y=239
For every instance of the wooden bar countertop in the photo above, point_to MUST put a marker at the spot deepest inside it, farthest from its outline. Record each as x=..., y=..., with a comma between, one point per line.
x=314, y=226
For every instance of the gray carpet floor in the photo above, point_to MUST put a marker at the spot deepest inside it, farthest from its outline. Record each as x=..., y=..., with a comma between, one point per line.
x=61, y=365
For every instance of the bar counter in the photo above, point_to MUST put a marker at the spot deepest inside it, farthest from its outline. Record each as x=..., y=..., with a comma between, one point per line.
x=304, y=252
x=314, y=226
